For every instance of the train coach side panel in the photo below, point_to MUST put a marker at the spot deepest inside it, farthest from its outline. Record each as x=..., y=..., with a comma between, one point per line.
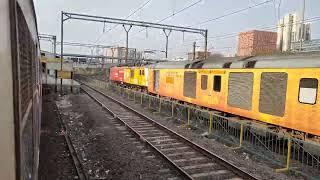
x=7, y=128
x=126, y=75
x=150, y=81
x=211, y=88
x=272, y=96
x=171, y=81
x=267, y=95
x=302, y=109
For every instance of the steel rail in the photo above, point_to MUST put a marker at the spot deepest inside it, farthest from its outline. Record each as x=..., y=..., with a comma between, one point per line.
x=195, y=146
x=76, y=159
x=137, y=134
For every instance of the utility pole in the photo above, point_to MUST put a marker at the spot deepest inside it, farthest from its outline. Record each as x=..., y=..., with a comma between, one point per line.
x=54, y=46
x=130, y=23
x=302, y=31
x=127, y=41
x=205, y=43
x=194, y=51
x=135, y=55
x=54, y=53
x=167, y=40
x=61, y=52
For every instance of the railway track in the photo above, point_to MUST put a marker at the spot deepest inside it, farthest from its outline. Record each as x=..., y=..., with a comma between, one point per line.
x=191, y=160
x=75, y=158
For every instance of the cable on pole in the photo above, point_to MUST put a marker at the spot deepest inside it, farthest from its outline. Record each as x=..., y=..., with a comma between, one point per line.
x=131, y=14
x=180, y=11
x=231, y=13
x=171, y=15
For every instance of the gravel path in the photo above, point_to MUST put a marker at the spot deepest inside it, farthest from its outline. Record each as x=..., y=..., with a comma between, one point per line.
x=107, y=150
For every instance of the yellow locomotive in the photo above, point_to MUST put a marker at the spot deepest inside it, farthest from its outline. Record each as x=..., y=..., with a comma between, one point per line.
x=136, y=76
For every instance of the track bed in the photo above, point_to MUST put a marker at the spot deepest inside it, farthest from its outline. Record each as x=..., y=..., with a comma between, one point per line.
x=191, y=160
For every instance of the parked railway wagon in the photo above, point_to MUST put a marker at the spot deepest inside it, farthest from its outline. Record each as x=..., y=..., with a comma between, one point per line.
x=20, y=91
x=278, y=90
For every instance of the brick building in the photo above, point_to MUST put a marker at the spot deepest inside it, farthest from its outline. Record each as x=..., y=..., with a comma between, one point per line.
x=255, y=42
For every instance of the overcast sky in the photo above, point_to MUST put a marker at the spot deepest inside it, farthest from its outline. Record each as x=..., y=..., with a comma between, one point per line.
x=49, y=15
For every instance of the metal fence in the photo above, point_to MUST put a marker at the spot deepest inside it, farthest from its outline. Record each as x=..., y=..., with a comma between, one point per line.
x=282, y=150
x=307, y=46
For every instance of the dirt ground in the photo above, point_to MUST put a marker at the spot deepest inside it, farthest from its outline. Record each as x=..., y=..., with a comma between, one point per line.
x=55, y=161
x=106, y=149
x=246, y=161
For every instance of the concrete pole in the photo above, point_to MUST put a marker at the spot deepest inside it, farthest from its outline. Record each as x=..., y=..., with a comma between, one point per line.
x=194, y=51
x=135, y=55
x=54, y=46
x=127, y=41
x=205, y=43
x=167, y=40
x=61, y=51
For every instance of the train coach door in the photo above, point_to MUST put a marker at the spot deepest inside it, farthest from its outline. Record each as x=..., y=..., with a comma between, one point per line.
x=146, y=75
x=216, y=89
x=156, y=80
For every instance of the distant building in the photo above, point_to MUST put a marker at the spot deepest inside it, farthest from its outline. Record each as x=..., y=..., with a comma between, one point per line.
x=51, y=64
x=290, y=31
x=120, y=53
x=178, y=59
x=256, y=42
x=198, y=55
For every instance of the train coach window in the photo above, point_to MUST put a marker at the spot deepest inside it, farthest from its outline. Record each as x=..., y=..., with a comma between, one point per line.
x=190, y=84
x=308, y=90
x=142, y=72
x=131, y=73
x=217, y=83
x=204, y=82
x=273, y=92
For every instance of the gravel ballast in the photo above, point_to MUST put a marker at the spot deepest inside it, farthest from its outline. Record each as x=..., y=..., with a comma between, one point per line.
x=106, y=149
x=240, y=158
x=55, y=160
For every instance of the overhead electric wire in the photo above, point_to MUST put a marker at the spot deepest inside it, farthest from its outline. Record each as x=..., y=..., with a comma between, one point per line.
x=213, y=19
x=313, y=19
x=172, y=15
x=235, y=34
x=131, y=14
x=141, y=7
x=231, y=13
x=271, y=27
x=181, y=10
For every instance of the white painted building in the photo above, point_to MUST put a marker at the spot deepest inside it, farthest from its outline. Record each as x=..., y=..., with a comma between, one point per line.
x=291, y=30
x=120, y=52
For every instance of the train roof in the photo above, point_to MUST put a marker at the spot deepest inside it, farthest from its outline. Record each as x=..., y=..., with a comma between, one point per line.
x=279, y=61
x=171, y=65
x=290, y=61
x=216, y=63
x=303, y=60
